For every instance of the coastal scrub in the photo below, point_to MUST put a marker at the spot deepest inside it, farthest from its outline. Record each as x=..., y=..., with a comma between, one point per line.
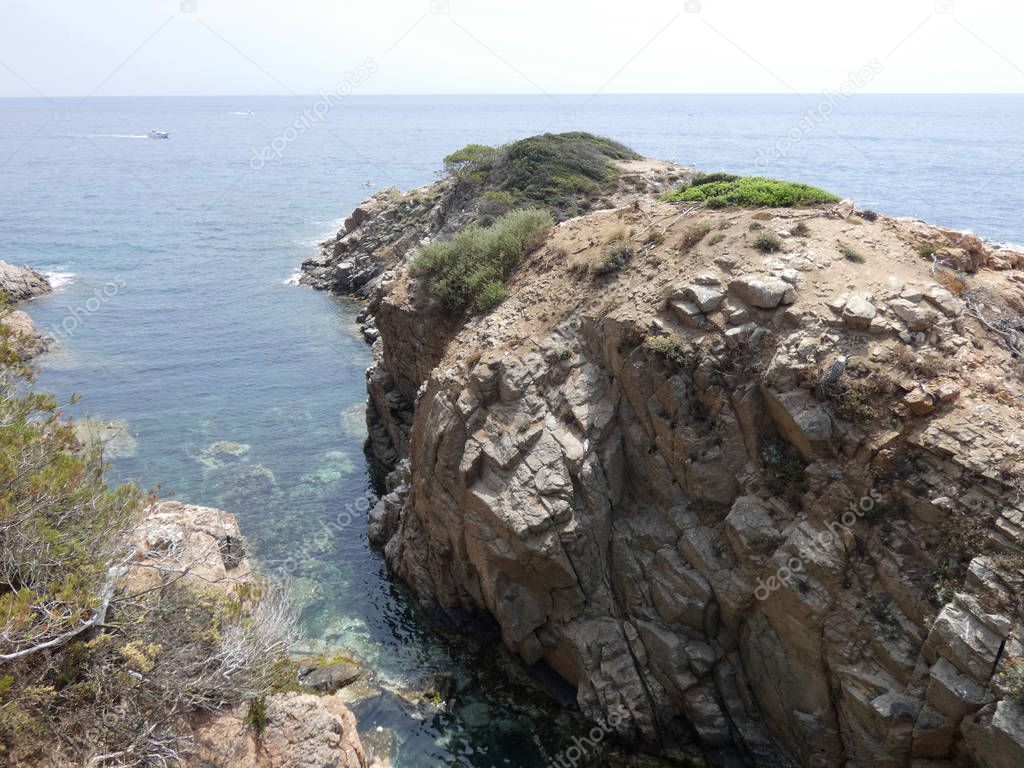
x=472, y=267
x=724, y=190
x=561, y=172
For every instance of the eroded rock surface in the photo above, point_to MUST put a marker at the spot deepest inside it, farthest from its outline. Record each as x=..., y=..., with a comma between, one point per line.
x=771, y=504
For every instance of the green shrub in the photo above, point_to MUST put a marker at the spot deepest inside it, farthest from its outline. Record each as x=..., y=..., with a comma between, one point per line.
x=256, y=715
x=927, y=249
x=562, y=172
x=783, y=466
x=491, y=295
x=496, y=202
x=767, y=242
x=725, y=190
x=472, y=162
x=851, y=254
x=672, y=348
x=78, y=679
x=472, y=267
x=716, y=238
x=703, y=179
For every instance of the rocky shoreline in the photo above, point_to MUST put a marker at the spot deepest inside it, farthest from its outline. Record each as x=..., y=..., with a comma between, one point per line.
x=21, y=284
x=759, y=488
x=202, y=551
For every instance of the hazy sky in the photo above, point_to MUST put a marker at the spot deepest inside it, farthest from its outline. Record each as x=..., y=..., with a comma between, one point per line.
x=140, y=47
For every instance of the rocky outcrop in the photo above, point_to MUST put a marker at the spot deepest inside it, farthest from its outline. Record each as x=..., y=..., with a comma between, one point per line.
x=376, y=236
x=206, y=547
x=563, y=173
x=771, y=504
x=301, y=731
x=25, y=338
x=20, y=283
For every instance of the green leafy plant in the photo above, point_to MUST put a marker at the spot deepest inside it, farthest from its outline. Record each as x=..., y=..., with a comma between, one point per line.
x=725, y=190
x=671, y=348
x=851, y=254
x=563, y=173
x=256, y=715
x=472, y=267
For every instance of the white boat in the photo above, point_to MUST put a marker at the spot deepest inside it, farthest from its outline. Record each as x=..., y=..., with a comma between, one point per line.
x=159, y=135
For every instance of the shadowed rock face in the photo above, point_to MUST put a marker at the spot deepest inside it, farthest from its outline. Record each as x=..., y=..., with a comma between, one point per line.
x=785, y=523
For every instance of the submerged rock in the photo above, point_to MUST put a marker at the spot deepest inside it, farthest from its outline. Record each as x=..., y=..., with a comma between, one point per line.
x=112, y=437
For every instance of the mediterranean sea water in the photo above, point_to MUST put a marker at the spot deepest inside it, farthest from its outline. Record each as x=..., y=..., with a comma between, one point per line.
x=178, y=316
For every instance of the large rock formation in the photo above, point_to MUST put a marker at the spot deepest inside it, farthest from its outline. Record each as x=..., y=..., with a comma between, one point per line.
x=769, y=503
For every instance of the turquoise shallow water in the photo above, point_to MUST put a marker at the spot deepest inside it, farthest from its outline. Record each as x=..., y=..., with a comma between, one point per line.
x=176, y=313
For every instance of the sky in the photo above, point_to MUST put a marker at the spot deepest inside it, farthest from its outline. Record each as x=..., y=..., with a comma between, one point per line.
x=79, y=48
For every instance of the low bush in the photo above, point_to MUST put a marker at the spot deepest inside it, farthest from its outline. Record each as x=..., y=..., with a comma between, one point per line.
x=613, y=258
x=767, y=242
x=472, y=267
x=496, y=202
x=851, y=254
x=565, y=173
x=671, y=348
x=725, y=190
x=472, y=162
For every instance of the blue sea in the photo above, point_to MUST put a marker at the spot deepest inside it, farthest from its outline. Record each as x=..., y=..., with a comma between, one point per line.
x=178, y=315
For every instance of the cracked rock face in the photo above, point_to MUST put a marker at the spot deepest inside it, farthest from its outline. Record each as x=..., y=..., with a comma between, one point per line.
x=705, y=490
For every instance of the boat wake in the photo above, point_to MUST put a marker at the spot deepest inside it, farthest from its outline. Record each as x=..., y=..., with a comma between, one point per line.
x=113, y=136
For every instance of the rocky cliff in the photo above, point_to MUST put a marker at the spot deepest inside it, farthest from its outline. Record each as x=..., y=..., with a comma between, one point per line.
x=756, y=483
